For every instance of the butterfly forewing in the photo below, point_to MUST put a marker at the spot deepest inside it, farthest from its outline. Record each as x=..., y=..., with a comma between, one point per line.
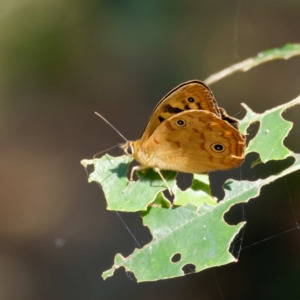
x=191, y=95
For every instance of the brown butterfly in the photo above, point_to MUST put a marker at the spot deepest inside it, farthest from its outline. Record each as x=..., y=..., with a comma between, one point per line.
x=188, y=132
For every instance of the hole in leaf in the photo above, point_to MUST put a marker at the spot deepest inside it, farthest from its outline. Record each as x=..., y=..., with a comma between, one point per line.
x=271, y=167
x=218, y=178
x=292, y=140
x=130, y=276
x=89, y=169
x=141, y=233
x=184, y=181
x=235, y=246
x=122, y=274
x=235, y=214
x=188, y=269
x=251, y=132
x=168, y=196
x=176, y=258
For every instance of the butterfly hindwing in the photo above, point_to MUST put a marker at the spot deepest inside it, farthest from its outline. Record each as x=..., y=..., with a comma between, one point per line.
x=195, y=142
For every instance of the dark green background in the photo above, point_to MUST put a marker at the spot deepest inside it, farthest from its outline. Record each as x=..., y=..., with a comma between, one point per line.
x=62, y=60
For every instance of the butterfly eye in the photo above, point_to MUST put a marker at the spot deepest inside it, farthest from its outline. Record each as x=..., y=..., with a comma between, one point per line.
x=180, y=123
x=218, y=147
x=129, y=150
x=190, y=99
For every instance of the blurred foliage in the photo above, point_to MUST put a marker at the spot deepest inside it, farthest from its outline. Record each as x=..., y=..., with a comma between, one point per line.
x=60, y=60
x=42, y=42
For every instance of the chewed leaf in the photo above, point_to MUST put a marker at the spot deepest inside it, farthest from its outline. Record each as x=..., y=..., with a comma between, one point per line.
x=285, y=52
x=193, y=229
x=198, y=194
x=197, y=233
x=195, y=236
x=111, y=173
x=200, y=236
x=122, y=195
x=272, y=131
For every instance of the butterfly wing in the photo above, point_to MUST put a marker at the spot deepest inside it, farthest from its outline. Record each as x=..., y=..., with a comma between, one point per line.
x=232, y=121
x=193, y=141
x=191, y=95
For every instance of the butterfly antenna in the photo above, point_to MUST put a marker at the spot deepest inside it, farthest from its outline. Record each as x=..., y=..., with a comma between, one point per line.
x=105, y=150
x=120, y=134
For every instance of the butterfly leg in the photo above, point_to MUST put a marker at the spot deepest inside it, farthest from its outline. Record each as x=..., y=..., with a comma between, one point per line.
x=157, y=170
x=135, y=168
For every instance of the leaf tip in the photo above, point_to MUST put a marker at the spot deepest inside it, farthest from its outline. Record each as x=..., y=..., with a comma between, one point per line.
x=86, y=162
x=119, y=260
x=108, y=273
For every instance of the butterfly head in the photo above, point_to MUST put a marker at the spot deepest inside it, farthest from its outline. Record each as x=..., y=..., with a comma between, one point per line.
x=130, y=148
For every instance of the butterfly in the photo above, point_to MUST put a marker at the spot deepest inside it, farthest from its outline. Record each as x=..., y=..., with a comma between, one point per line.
x=187, y=132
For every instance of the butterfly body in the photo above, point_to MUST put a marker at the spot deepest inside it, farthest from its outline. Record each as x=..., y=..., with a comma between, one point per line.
x=188, y=132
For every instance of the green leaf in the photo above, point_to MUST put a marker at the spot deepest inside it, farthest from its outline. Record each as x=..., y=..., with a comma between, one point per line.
x=272, y=131
x=197, y=231
x=122, y=195
x=198, y=194
x=193, y=226
x=200, y=236
x=285, y=52
x=185, y=230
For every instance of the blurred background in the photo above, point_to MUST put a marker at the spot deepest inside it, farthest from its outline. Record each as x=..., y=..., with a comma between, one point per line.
x=61, y=60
